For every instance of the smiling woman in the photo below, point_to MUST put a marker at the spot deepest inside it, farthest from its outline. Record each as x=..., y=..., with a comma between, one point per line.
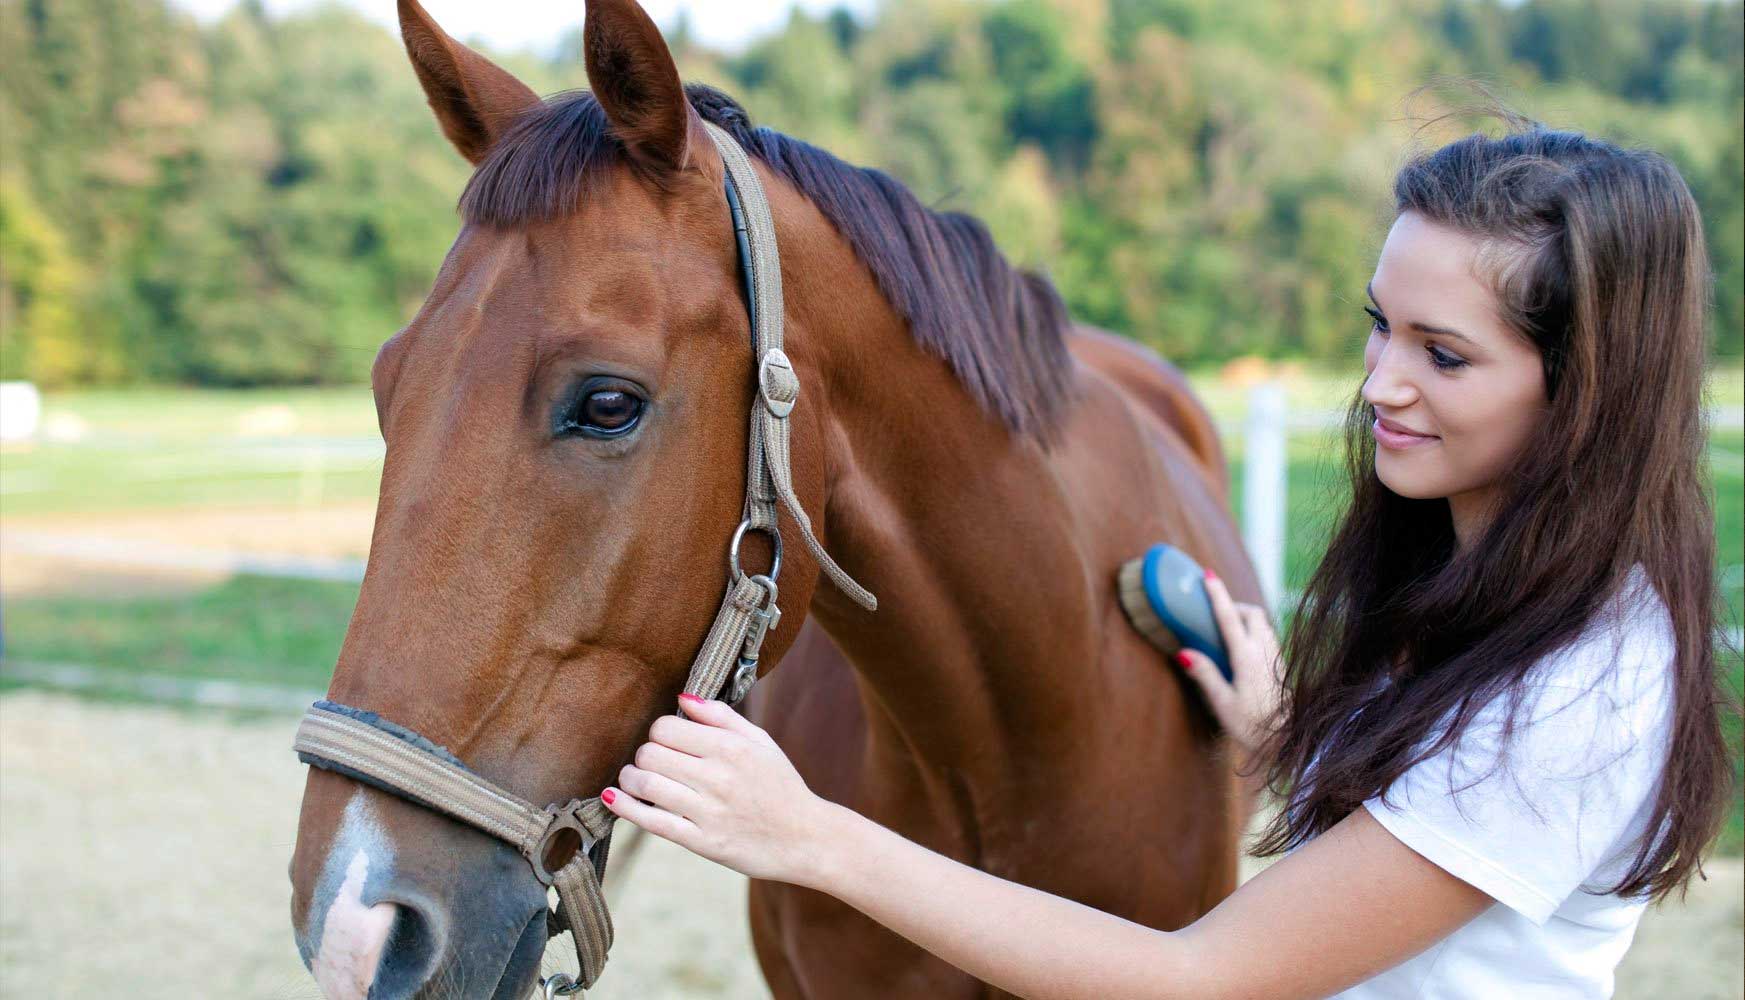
x=1455, y=390
x=1535, y=357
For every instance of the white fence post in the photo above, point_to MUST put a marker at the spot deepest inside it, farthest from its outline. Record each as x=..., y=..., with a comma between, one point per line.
x=1263, y=487
x=20, y=411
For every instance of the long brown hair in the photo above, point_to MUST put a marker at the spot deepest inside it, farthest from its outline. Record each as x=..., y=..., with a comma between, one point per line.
x=1599, y=261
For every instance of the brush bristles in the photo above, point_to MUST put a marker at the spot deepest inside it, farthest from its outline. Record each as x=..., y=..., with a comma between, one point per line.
x=1131, y=586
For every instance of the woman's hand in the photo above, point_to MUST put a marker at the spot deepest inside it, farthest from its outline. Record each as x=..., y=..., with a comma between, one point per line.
x=716, y=784
x=1248, y=706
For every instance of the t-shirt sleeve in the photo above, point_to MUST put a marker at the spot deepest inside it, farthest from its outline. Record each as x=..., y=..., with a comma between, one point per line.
x=1570, y=787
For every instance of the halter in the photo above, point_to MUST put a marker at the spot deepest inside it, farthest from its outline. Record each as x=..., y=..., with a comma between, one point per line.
x=364, y=746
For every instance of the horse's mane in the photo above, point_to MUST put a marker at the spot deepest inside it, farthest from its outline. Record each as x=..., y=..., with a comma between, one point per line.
x=1001, y=329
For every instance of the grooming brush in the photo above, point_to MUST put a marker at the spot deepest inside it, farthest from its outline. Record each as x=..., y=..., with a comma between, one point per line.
x=1164, y=595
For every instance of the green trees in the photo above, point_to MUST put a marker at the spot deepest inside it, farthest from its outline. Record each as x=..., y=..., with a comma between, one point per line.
x=258, y=202
x=265, y=200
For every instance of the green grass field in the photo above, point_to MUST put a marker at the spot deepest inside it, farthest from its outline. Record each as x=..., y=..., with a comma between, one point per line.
x=169, y=449
x=176, y=450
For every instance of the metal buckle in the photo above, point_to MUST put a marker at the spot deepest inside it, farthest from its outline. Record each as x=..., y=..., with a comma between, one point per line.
x=762, y=620
x=775, y=569
x=564, y=817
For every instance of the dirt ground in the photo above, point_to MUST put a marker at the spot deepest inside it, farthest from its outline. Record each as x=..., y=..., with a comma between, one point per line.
x=144, y=848
x=331, y=531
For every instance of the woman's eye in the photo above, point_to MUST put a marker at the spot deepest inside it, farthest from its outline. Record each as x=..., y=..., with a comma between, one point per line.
x=605, y=413
x=1377, y=322
x=1444, y=360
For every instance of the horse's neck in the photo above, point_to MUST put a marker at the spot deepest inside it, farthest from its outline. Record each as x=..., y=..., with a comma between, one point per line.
x=992, y=604
x=998, y=679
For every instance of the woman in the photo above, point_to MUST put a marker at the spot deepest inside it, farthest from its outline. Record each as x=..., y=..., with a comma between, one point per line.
x=1500, y=681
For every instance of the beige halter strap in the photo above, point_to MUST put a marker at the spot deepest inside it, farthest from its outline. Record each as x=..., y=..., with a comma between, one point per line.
x=363, y=746
x=767, y=477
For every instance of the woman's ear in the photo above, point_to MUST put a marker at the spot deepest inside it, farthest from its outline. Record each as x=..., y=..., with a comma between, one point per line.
x=474, y=99
x=637, y=84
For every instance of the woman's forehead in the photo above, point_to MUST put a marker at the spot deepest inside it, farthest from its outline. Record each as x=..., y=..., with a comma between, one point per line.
x=1421, y=255
x=1433, y=274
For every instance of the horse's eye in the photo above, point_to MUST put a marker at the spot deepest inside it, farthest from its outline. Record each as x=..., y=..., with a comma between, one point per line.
x=609, y=411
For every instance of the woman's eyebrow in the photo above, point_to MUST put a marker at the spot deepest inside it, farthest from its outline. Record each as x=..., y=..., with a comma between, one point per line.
x=1440, y=331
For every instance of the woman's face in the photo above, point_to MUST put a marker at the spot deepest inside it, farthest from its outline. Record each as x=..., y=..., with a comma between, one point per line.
x=1443, y=366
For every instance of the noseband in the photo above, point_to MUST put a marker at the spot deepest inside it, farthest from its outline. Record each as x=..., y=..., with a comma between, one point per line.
x=363, y=746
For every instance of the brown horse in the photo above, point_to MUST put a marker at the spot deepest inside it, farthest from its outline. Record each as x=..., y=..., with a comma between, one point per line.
x=565, y=427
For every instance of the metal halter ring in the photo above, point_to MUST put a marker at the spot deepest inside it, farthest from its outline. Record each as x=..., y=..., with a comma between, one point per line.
x=562, y=818
x=775, y=569
x=559, y=984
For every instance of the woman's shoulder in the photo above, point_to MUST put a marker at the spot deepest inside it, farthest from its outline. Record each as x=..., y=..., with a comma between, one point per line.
x=1620, y=666
x=1528, y=806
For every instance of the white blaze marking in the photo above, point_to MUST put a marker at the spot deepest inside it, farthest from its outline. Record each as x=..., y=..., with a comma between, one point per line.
x=352, y=934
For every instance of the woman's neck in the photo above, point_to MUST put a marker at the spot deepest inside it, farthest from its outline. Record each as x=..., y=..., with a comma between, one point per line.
x=1470, y=512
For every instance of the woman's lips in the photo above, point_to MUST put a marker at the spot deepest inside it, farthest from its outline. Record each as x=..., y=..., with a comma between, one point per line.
x=1389, y=438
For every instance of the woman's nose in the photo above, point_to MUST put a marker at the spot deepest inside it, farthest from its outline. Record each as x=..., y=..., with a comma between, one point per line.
x=1388, y=384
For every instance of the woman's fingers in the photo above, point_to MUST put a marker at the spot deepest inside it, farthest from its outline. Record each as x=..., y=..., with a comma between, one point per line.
x=1260, y=632
x=1224, y=610
x=690, y=737
x=1257, y=623
x=658, y=789
x=655, y=820
x=1220, y=695
x=718, y=714
x=1240, y=712
x=717, y=784
x=681, y=767
x=708, y=728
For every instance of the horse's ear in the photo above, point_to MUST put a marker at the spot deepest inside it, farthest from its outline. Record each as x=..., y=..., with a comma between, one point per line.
x=475, y=100
x=637, y=83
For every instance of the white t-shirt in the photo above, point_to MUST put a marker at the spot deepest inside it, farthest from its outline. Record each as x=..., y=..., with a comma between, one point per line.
x=1564, y=811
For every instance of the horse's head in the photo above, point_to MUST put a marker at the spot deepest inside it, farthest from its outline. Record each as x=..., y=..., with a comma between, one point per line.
x=566, y=428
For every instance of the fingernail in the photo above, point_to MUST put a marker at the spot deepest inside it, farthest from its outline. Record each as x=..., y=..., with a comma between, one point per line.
x=608, y=796
x=1211, y=575
x=1183, y=661
x=688, y=696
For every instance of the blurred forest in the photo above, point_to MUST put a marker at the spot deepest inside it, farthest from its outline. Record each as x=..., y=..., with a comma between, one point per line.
x=264, y=200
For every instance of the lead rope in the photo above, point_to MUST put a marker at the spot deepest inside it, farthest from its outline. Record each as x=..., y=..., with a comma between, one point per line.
x=389, y=757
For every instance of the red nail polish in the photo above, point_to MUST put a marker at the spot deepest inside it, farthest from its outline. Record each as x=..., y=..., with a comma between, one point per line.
x=1182, y=659
x=1211, y=575
x=608, y=796
x=693, y=699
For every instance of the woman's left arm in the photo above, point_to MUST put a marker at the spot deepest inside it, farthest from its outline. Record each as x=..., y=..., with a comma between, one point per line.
x=1344, y=907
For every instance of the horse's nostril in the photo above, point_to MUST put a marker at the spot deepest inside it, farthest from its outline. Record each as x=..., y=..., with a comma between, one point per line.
x=410, y=955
